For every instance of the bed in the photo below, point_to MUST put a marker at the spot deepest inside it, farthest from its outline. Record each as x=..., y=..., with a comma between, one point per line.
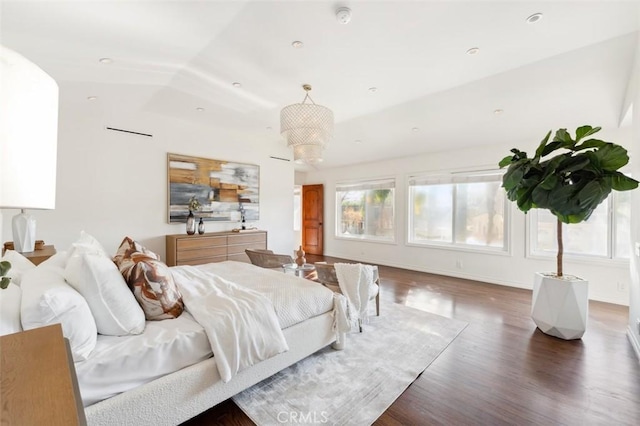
x=166, y=373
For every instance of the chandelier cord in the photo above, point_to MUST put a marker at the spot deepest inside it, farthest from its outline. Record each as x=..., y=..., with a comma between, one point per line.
x=307, y=96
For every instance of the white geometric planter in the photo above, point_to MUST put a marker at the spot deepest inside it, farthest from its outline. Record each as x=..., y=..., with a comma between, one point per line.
x=560, y=307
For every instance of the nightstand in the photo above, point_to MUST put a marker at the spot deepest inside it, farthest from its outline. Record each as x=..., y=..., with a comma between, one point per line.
x=38, y=256
x=39, y=383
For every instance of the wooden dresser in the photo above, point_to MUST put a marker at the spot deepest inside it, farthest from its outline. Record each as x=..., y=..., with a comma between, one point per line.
x=183, y=249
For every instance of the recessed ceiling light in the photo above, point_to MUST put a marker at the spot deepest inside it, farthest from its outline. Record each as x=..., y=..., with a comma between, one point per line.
x=92, y=98
x=415, y=129
x=373, y=89
x=357, y=141
x=534, y=18
x=105, y=60
x=200, y=109
x=269, y=127
x=498, y=111
x=297, y=44
x=473, y=51
x=236, y=84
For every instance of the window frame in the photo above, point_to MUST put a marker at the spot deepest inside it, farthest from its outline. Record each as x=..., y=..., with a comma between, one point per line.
x=365, y=184
x=454, y=179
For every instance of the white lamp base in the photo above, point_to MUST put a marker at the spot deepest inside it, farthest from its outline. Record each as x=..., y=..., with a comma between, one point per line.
x=24, y=232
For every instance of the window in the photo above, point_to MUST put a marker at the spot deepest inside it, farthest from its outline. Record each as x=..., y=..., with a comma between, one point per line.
x=365, y=210
x=458, y=210
x=604, y=235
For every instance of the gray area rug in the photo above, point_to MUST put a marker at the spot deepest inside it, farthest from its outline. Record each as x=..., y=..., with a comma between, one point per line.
x=356, y=385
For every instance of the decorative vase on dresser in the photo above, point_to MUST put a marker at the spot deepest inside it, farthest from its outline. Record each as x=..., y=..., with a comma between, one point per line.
x=191, y=223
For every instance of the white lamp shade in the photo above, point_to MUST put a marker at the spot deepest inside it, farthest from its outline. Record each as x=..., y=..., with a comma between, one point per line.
x=28, y=134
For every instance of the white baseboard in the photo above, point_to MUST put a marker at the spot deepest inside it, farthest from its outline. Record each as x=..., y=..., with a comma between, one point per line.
x=635, y=343
x=458, y=274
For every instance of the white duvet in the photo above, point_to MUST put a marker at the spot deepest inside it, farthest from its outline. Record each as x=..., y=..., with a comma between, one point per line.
x=241, y=323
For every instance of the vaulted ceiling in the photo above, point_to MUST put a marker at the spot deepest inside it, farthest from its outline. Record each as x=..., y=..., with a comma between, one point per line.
x=397, y=77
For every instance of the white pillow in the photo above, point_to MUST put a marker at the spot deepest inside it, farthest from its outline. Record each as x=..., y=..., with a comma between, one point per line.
x=113, y=305
x=48, y=299
x=86, y=244
x=10, y=310
x=19, y=265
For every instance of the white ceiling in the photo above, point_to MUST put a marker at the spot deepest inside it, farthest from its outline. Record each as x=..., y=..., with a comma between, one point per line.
x=169, y=58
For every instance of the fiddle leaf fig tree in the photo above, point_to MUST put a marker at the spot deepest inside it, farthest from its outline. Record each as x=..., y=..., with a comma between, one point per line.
x=572, y=182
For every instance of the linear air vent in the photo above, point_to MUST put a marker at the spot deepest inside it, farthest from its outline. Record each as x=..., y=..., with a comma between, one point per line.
x=128, y=131
x=279, y=158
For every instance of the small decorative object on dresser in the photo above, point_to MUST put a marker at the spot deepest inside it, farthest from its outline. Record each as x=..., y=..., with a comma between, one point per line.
x=201, y=227
x=300, y=259
x=191, y=223
x=194, y=204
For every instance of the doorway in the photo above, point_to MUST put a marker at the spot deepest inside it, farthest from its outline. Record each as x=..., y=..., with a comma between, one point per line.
x=312, y=218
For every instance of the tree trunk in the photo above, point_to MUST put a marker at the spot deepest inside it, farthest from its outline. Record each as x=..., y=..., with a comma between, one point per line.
x=560, y=249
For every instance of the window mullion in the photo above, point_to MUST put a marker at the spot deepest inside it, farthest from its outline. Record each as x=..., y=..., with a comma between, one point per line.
x=454, y=210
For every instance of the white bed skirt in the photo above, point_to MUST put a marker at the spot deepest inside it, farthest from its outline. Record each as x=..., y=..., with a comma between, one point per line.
x=177, y=397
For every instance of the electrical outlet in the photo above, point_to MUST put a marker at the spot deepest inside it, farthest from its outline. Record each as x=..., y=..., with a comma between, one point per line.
x=622, y=286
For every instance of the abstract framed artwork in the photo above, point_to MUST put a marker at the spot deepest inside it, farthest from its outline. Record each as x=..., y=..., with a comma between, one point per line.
x=225, y=190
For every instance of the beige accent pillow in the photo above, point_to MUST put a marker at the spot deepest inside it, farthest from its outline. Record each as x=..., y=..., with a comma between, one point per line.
x=150, y=280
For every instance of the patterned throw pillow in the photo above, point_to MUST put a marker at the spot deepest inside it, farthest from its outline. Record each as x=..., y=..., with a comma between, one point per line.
x=150, y=280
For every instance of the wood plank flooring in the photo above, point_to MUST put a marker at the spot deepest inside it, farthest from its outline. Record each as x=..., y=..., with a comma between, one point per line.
x=501, y=370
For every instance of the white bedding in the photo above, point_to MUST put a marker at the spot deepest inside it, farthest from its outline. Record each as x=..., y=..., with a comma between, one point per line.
x=115, y=365
x=241, y=323
x=294, y=299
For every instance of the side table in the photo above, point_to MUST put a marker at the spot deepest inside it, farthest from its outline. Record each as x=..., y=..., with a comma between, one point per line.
x=38, y=256
x=39, y=383
x=300, y=271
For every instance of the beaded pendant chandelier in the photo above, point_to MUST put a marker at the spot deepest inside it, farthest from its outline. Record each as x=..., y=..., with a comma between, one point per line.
x=307, y=128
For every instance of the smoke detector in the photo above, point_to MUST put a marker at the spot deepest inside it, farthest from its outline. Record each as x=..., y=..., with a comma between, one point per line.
x=343, y=15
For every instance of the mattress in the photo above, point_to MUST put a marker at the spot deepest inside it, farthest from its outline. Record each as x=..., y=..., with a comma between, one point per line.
x=120, y=363
x=295, y=299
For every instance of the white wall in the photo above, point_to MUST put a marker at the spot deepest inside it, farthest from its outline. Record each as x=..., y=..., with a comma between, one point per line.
x=113, y=184
x=513, y=269
x=634, y=296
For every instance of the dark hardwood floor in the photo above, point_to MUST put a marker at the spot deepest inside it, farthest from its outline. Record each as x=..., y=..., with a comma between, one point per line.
x=501, y=370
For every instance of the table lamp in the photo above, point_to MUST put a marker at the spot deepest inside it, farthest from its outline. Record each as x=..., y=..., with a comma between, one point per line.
x=28, y=142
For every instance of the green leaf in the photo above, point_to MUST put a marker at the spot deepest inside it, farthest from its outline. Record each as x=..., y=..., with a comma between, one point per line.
x=542, y=145
x=591, y=143
x=564, y=136
x=505, y=161
x=4, y=268
x=585, y=131
x=557, y=145
x=620, y=182
x=572, y=163
x=612, y=156
x=514, y=175
x=4, y=282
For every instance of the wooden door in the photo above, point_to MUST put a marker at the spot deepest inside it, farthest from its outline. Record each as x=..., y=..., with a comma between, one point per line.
x=312, y=218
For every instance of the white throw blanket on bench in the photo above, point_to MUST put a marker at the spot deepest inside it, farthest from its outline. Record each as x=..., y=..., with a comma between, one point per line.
x=241, y=324
x=354, y=281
